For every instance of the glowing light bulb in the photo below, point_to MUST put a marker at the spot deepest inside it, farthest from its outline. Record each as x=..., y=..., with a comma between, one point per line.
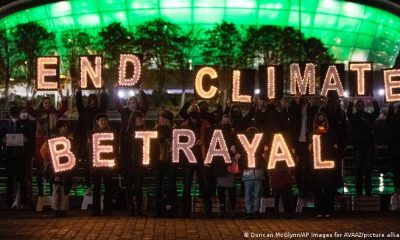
x=61, y=147
x=43, y=72
x=198, y=83
x=94, y=74
x=279, y=152
x=297, y=81
x=217, y=139
x=123, y=61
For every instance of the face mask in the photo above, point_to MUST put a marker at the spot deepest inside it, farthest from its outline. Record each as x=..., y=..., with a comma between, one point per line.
x=24, y=116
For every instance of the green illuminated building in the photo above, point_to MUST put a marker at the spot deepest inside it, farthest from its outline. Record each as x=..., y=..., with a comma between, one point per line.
x=351, y=31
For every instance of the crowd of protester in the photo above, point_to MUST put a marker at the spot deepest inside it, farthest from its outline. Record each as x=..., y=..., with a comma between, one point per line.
x=296, y=120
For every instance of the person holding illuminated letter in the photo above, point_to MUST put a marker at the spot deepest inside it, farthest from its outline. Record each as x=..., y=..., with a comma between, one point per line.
x=95, y=105
x=364, y=143
x=62, y=181
x=133, y=169
x=325, y=152
x=201, y=129
x=101, y=142
x=46, y=116
x=163, y=168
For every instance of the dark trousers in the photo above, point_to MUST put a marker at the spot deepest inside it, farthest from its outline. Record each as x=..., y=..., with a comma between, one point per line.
x=204, y=175
x=338, y=166
x=39, y=175
x=281, y=193
x=15, y=174
x=134, y=187
x=165, y=195
x=325, y=200
x=303, y=168
x=85, y=162
x=394, y=150
x=106, y=178
x=363, y=154
x=222, y=197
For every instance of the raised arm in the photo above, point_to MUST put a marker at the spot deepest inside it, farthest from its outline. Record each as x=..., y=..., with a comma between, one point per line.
x=350, y=110
x=79, y=101
x=183, y=112
x=28, y=104
x=117, y=102
x=390, y=115
x=377, y=110
x=64, y=104
x=143, y=102
x=103, y=101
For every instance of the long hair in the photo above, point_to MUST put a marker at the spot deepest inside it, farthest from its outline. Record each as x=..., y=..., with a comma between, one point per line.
x=132, y=119
x=40, y=107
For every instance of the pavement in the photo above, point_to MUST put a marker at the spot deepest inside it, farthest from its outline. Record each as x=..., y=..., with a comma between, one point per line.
x=80, y=225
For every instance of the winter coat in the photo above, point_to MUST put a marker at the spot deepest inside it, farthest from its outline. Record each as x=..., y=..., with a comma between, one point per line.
x=86, y=118
x=240, y=122
x=161, y=148
x=202, y=131
x=295, y=121
x=125, y=112
x=362, y=124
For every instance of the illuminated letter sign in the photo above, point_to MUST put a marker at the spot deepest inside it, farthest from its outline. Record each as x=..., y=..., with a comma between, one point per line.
x=86, y=66
x=200, y=92
x=332, y=81
x=146, y=136
x=241, y=86
x=123, y=62
x=360, y=74
x=177, y=145
x=47, y=78
x=279, y=152
x=296, y=80
x=99, y=149
x=60, y=147
x=250, y=148
x=392, y=84
x=318, y=163
x=218, y=140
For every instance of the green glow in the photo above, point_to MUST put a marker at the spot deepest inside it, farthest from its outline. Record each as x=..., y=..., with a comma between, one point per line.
x=352, y=32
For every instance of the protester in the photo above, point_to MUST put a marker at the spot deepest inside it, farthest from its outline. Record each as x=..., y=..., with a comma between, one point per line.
x=224, y=173
x=324, y=182
x=135, y=165
x=202, y=129
x=46, y=117
x=134, y=103
x=62, y=182
x=85, y=125
x=338, y=125
x=393, y=121
x=364, y=143
x=16, y=145
x=239, y=122
x=273, y=119
x=212, y=118
x=101, y=174
x=301, y=117
x=163, y=167
x=253, y=177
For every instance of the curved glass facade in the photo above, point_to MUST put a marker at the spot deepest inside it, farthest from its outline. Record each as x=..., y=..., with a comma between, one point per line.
x=352, y=32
